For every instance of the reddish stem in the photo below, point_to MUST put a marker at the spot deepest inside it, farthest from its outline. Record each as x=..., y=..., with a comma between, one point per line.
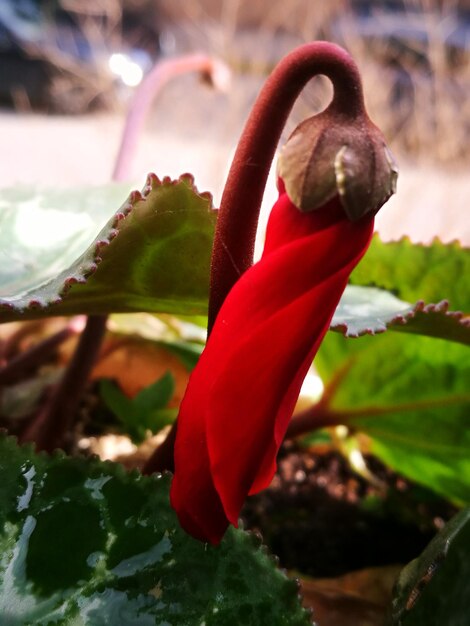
x=321, y=415
x=237, y=220
x=50, y=428
x=11, y=345
x=155, y=80
x=19, y=366
x=241, y=201
x=311, y=419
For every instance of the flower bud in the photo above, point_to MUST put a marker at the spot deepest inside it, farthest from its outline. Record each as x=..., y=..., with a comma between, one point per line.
x=329, y=155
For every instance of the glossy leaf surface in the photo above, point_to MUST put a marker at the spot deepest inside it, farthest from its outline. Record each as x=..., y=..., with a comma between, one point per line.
x=43, y=231
x=84, y=543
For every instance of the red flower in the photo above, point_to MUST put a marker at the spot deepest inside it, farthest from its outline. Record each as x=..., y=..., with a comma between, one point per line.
x=336, y=173
x=242, y=393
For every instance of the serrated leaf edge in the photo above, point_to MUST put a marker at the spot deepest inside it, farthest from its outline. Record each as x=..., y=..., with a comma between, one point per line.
x=455, y=243
x=110, y=231
x=401, y=319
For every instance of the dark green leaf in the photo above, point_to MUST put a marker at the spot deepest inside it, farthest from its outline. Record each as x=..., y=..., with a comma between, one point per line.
x=82, y=542
x=153, y=255
x=433, y=589
x=115, y=400
x=145, y=412
x=156, y=395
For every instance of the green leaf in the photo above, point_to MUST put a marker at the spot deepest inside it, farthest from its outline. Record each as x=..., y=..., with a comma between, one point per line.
x=393, y=275
x=152, y=255
x=144, y=412
x=432, y=590
x=369, y=310
x=418, y=272
x=116, y=401
x=410, y=395
x=42, y=232
x=159, y=418
x=157, y=395
x=188, y=352
x=84, y=543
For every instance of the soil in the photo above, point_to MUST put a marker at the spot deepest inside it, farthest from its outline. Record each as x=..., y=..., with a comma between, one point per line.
x=323, y=520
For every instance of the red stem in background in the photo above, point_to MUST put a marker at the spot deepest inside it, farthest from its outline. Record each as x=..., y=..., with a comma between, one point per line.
x=19, y=366
x=241, y=201
x=237, y=220
x=49, y=430
x=12, y=344
x=155, y=80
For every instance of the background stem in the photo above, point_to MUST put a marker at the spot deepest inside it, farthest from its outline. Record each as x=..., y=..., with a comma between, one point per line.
x=49, y=430
x=149, y=88
x=19, y=366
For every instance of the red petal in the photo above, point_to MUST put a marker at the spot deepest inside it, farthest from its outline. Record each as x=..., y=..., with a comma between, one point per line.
x=193, y=495
x=242, y=394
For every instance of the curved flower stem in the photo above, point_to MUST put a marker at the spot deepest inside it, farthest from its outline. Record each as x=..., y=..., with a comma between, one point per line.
x=241, y=201
x=237, y=220
x=152, y=84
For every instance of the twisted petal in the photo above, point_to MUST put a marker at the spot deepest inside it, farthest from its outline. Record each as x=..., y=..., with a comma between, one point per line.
x=241, y=395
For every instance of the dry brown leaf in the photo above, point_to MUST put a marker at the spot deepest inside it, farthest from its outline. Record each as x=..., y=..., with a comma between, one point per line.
x=137, y=363
x=356, y=599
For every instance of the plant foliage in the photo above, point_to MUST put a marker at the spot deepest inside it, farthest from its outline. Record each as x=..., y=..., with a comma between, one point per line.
x=127, y=560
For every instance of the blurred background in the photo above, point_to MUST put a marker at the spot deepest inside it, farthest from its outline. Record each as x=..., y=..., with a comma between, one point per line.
x=69, y=68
